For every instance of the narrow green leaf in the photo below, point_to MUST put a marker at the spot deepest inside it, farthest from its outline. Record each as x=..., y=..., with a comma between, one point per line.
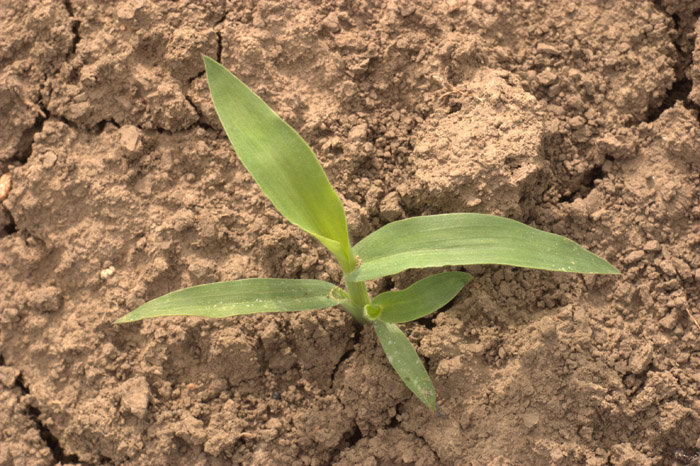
x=404, y=359
x=282, y=164
x=464, y=239
x=239, y=297
x=420, y=299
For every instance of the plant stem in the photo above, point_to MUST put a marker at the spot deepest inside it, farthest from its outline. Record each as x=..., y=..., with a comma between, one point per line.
x=357, y=291
x=358, y=299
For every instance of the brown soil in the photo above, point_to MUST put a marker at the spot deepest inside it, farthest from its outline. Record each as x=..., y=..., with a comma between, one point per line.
x=118, y=186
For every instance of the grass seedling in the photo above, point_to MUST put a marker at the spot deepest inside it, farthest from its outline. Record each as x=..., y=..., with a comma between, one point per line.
x=289, y=174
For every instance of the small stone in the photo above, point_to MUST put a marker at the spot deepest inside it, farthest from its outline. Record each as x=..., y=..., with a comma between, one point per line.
x=331, y=22
x=640, y=359
x=8, y=376
x=547, y=49
x=135, y=396
x=577, y=122
x=634, y=257
x=48, y=159
x=191, y=430
x=127, y=10
x=682, y=268
x=10, y=315
x=130, y=138
x=652, y=245
x=407, y=9
x=358, y=133
x=669, y=322
x=667, y=267
x=389, y=208
x=531, y=419
x=106, y=273
x=5, y=185
x=546, y=78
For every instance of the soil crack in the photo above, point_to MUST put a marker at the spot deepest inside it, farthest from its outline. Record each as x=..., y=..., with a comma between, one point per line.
x=75, y=27
x=355, y=341
x=349, y=440
x=682, y=85
x=679, y=92
x=51, y=441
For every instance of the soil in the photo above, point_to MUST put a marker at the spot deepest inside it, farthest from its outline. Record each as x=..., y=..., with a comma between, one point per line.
x=118, y=185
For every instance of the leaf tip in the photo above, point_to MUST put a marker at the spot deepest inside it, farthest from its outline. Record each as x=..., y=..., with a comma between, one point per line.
x=124, y=319
x=466, y=277
x=209, y=64
x=606, y=268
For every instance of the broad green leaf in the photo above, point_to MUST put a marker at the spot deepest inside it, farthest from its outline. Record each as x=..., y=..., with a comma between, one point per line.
x=239, y=297
x=420, y=299
x=404, y=359
x=464, y=239
x=282, y=164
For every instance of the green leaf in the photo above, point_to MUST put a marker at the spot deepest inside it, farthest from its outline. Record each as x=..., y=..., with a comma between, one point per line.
x=282, y=164
x=239, y=297
x=464, y=239
x=420, y=299
x=403, y=357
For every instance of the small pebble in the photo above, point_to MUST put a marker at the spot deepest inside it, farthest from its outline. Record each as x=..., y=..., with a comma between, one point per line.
x=634, y=257
x=667, y=267
x=652, y=245
x=106, y=273
x=8, y=375
x=358, y=133
x=130, y=138
x=135, y=396
x=5, y=185
x=48, y=160
x=547, y=49
x=546, y=78
x=669, y=322
x=390, y=208
x=10, y=314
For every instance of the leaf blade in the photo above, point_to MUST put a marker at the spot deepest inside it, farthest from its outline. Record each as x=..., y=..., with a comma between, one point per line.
x=405, y=361
x=421, y=298
x=239, y=297
x=466, y=239
x=279, y=160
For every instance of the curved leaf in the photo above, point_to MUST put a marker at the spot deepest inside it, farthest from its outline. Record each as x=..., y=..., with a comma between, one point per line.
x=464, y=239
x=404, y=359
x=420, y=299
x=239, y=297
x=281, y=163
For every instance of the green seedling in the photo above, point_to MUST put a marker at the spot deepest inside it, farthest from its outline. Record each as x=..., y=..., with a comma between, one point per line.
x=289, y=174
